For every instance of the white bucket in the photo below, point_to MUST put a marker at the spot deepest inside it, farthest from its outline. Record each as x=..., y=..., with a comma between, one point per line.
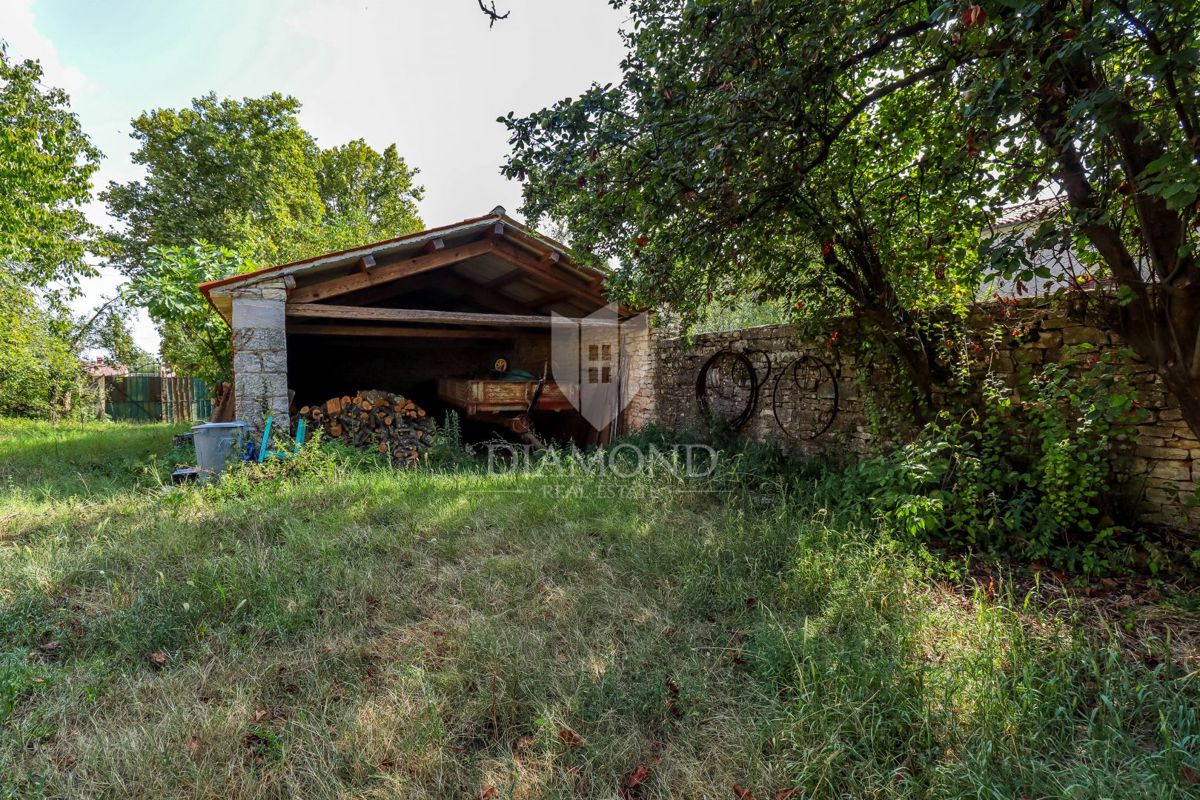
x=214, y=443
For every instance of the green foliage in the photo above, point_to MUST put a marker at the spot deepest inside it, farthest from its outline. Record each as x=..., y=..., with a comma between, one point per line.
x=234, y=184
x=721, y=169
x=245, y=175
x=195, y=341
x=1029, y=474
x=46, y=164
x=367, y=195
x=109, y=332
x=233, y=173
x=733, y=316
x=41, y=374
x=844, y=157
x=446, y=447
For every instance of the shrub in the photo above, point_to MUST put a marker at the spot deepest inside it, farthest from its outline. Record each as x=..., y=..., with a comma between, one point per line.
x=1029, y=473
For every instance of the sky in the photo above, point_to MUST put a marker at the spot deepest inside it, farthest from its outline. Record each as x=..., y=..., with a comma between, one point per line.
x=428, y=75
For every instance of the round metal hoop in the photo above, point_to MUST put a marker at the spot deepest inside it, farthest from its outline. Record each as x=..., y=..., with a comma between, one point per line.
x=807, y=374
x=738, y=421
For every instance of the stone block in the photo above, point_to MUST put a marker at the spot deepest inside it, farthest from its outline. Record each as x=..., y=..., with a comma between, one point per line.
x=1162, y=453
x=1081, y=334
x=248, y=339
x=1172, y=470
x=1050, y=340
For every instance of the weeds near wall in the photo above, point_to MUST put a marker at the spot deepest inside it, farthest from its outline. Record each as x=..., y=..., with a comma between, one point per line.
x=1031, y=472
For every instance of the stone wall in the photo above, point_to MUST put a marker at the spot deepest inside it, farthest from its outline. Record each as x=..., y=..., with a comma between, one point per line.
x=1160, y=477
x=260, y=360
x=638, y=372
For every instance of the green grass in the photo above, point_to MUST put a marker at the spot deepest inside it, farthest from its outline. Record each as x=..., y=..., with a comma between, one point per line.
x=355, y=632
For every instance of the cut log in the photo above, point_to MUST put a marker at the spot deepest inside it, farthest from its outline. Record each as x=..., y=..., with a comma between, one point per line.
x=376, y=420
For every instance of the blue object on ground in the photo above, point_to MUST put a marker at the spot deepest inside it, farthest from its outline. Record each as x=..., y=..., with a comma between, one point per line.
x=264, y=448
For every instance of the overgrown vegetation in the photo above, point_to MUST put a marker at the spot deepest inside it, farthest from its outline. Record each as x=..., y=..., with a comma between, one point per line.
x=844, y=157
x=1034, y=473
x=351, y=630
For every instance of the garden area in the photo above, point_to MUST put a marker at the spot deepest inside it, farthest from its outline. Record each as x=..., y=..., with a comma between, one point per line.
x=823, y=421
x=329, y=626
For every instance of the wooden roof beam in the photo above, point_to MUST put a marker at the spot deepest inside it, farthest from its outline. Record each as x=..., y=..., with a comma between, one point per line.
x=554, y=279
x=385, y=273
x=424, y=316
x=399, y=332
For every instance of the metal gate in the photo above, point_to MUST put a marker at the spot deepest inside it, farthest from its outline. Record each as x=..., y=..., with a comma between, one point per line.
x=150, y=397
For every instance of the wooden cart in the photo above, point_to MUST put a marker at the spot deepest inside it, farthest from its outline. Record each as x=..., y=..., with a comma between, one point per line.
x=507, y=403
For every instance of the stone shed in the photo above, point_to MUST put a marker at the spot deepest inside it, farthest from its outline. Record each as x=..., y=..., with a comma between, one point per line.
x=404, y=315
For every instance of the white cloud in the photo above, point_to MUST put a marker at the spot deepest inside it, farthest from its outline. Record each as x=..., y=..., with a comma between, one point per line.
x=19, y=30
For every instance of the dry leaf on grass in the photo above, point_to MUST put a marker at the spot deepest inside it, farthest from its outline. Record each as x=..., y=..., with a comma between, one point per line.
x=634, y=780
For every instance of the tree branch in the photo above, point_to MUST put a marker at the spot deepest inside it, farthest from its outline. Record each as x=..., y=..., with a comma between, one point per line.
x=492, y=13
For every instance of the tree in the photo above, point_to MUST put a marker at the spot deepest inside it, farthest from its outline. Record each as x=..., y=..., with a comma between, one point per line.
x=46, y=164
x=40, y=369
x=194, y=340
x=367, y=195
x=694, y=174
x=232, y=185
x=109, y=332
x=1095, y=97
x=236, y=173
x=246, y=175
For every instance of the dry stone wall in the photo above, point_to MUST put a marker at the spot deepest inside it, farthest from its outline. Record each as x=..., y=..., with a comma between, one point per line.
x=1161, y=473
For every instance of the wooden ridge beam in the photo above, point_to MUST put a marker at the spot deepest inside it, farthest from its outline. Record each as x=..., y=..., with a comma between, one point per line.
x=384, y=273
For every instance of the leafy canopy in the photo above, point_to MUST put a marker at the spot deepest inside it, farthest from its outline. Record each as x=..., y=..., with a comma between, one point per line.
x=46, y=164
x=234, y=185
x=246, y=175
x=194, y=339
x=747, y=133
x=40, y=368
x=715, y=175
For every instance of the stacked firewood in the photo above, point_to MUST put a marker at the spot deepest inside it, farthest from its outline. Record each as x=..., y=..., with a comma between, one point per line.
x=389, y=423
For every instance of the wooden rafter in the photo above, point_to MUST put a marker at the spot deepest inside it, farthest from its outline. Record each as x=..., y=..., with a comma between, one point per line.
x=384, y=273
x=552, y=278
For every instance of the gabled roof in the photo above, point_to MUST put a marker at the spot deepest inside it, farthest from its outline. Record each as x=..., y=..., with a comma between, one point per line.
x=313, y=271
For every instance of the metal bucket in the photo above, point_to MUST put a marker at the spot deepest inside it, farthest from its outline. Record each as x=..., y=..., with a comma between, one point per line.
x=215, y=441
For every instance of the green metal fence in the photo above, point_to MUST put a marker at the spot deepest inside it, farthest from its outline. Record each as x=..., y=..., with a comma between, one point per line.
x=150, y=397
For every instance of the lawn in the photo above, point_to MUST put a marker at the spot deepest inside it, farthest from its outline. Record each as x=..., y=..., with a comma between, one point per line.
x=349, y=631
